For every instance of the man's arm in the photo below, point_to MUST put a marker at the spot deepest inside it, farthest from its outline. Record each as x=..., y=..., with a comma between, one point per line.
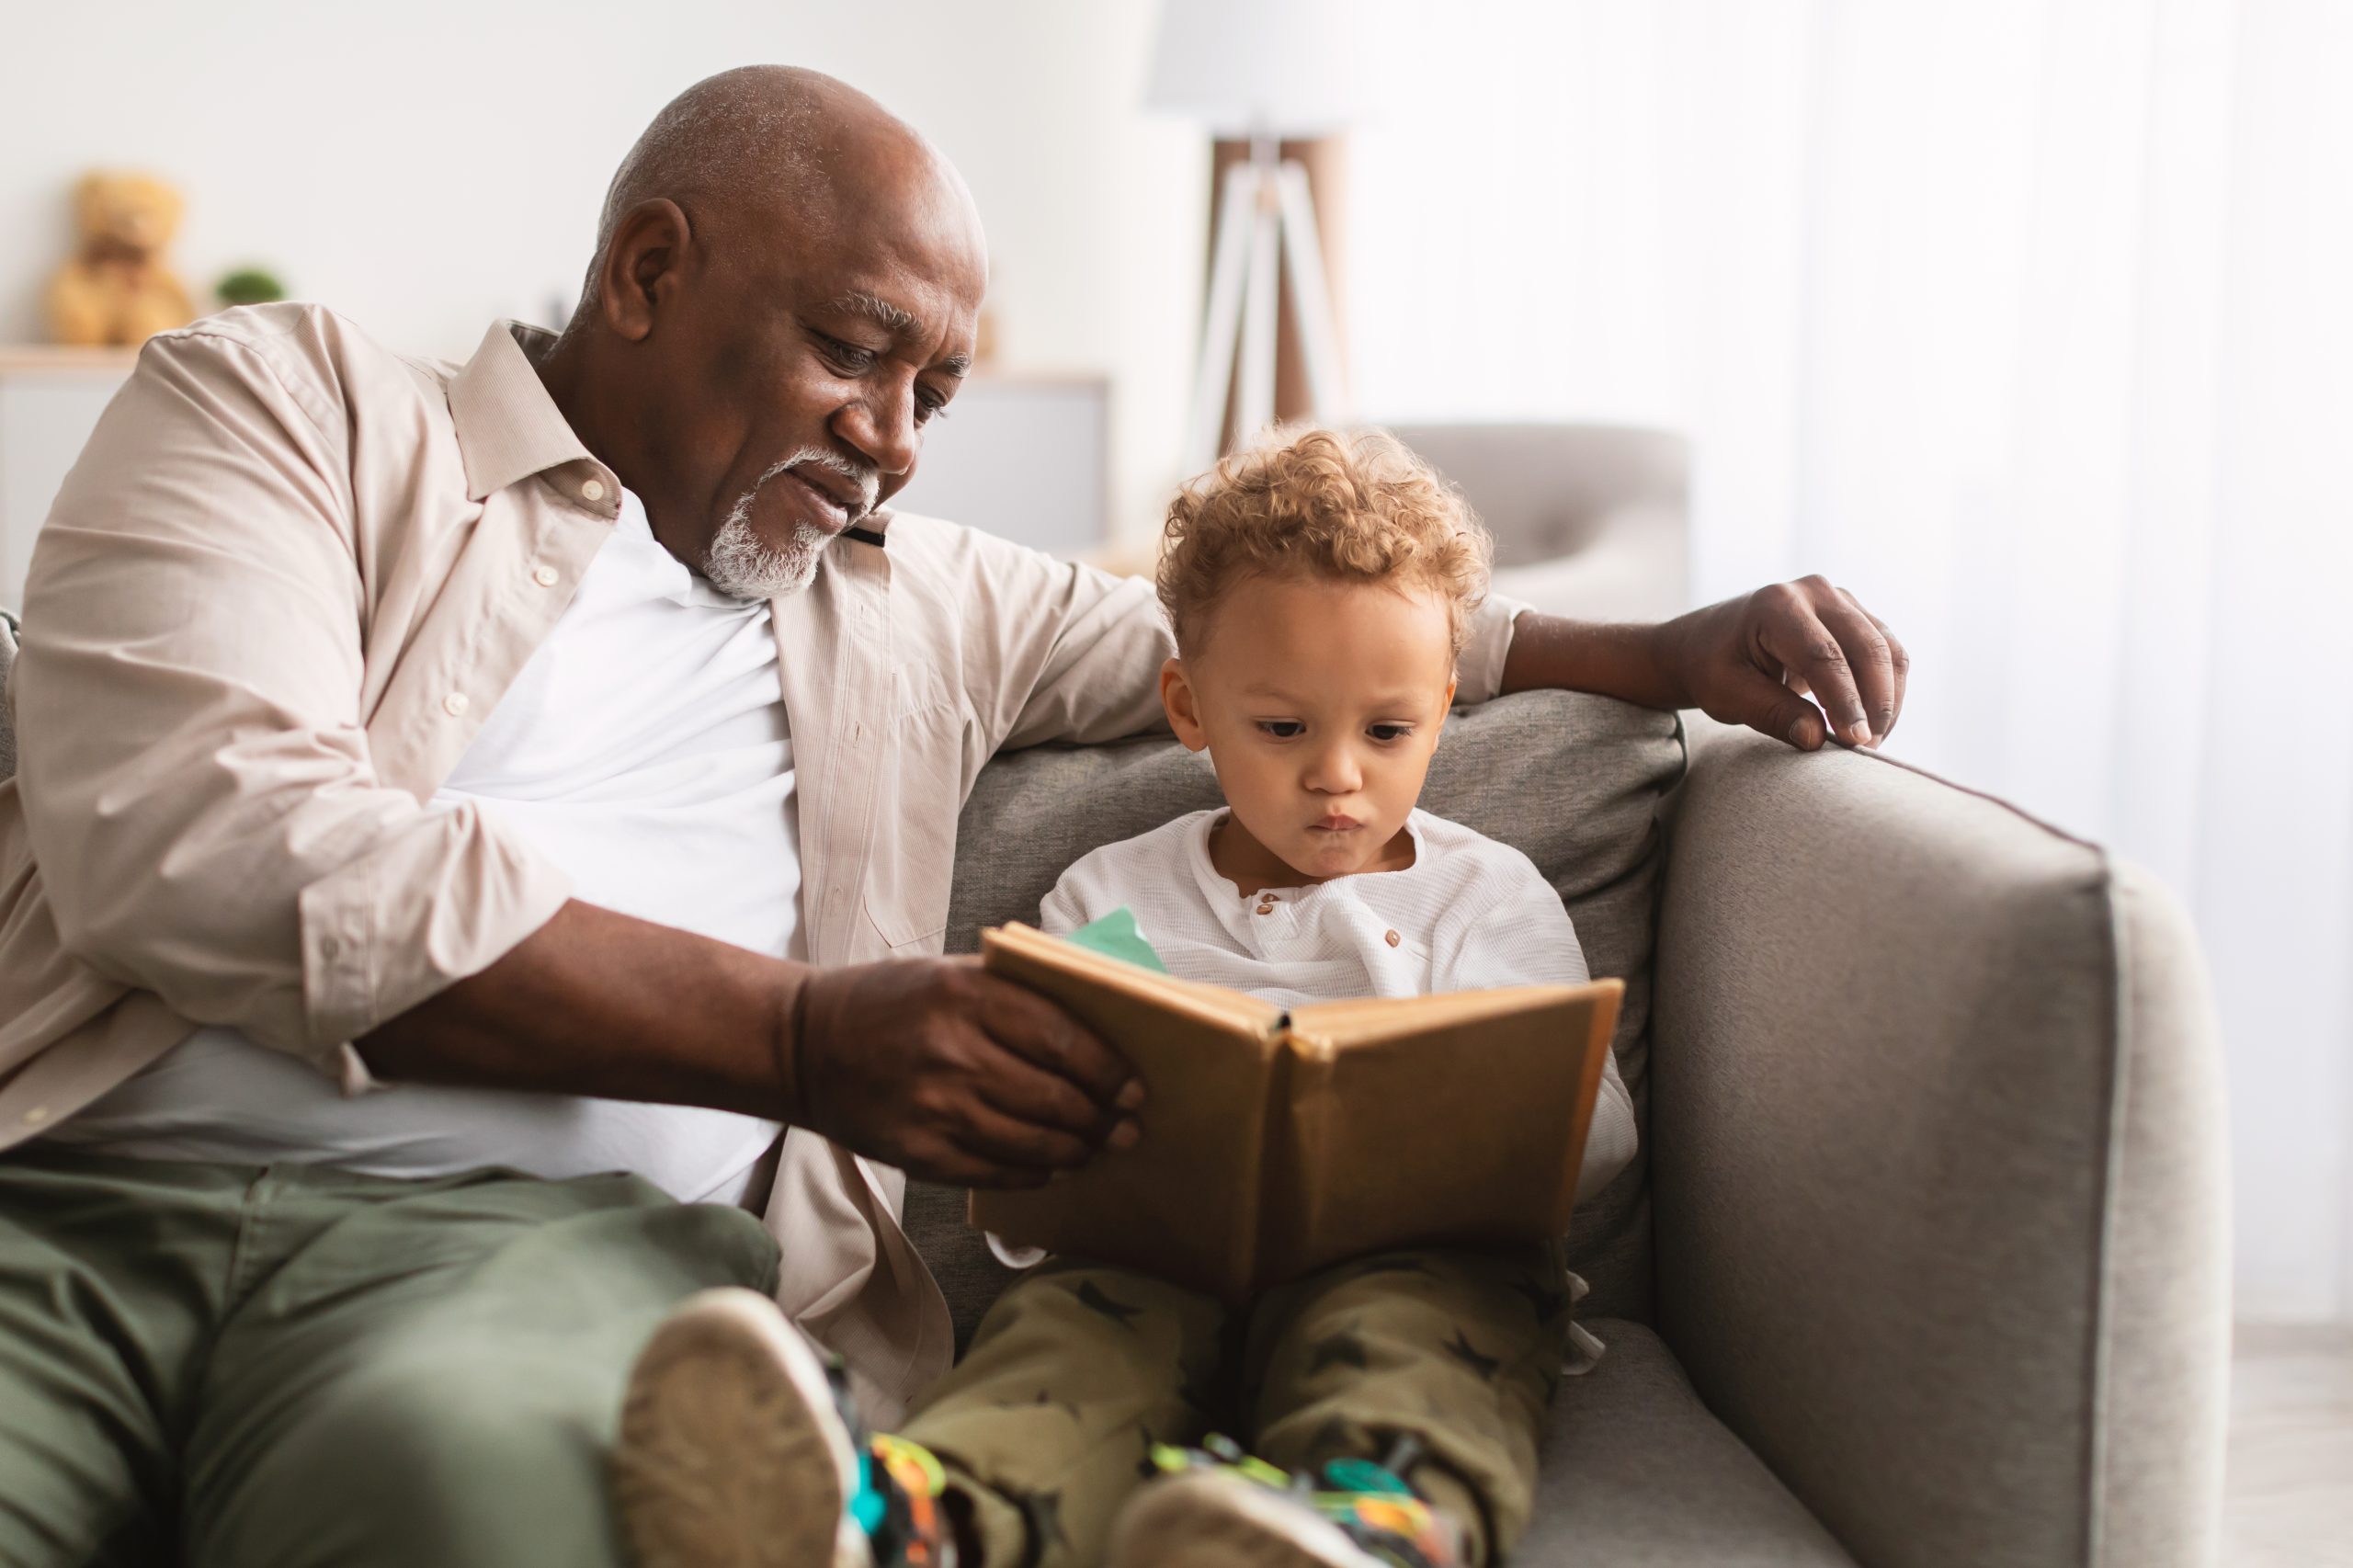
x=929, y=1064
x=1749, y=661
x=1068, y=653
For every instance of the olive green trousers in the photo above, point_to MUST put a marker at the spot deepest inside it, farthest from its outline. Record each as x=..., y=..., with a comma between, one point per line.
x=286, y=1366
x=1047, y=1424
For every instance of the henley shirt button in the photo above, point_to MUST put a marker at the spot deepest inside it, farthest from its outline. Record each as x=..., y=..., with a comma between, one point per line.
x=1393, y=938
x=545, y=576
x=455, y=704
x=329, y=946
x=592, y=490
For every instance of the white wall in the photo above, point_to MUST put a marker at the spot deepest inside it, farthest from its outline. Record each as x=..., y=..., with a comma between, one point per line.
x=427, y=167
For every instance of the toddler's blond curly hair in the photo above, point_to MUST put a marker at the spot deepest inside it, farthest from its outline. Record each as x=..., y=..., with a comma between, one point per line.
x=1354, y=505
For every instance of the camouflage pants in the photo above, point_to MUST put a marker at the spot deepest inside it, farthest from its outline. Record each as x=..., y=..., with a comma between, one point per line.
x=1048, y=1421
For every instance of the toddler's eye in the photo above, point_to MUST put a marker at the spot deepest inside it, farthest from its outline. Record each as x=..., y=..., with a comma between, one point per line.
x=1282, y=728
x=1387, y=733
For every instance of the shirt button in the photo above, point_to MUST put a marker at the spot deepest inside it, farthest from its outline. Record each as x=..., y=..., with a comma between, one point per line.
x=1391, y=939
x=455, y=704
x=329, y=948
x=592, y=490
x=545, y=576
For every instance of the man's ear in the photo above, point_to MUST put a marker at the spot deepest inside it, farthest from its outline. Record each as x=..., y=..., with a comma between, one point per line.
x=1176, y=695
x=642, y=267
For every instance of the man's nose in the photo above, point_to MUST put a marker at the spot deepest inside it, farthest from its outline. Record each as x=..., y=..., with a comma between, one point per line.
x=882, y=426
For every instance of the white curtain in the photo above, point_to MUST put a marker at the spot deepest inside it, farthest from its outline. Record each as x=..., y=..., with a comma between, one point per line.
x=2031, y=321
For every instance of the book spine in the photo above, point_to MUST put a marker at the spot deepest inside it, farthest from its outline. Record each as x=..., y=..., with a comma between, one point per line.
x=1298, y=1108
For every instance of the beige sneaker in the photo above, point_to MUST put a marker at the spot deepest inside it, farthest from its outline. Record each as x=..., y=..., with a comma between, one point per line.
x=734, y=1450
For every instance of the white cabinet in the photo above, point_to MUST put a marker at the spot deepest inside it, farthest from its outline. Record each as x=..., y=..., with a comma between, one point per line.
x=1025, y=456
x=50, y=399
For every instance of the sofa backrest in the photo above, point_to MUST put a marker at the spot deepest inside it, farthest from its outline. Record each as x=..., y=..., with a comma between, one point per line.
x=1575, y=782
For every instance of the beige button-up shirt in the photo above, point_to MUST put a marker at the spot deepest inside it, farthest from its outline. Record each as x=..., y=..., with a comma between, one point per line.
x=288, y=578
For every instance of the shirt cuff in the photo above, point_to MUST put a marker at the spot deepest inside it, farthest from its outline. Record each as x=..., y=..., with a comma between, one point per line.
x=1479, y=670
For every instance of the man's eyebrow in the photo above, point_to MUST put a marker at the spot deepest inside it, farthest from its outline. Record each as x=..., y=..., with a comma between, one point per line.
x=896, y=320
x=876, y=309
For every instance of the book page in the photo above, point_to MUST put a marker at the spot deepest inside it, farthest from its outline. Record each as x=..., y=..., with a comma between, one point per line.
x=1184, y=1202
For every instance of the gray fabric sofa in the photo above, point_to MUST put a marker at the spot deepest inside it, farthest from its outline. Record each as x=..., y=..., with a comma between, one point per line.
x=1925, y=1264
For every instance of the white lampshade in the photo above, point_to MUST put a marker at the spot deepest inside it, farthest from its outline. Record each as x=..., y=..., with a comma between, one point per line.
x=1273, y=68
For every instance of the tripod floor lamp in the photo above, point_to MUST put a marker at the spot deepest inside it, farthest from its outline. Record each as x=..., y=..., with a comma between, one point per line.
x=1263, y=69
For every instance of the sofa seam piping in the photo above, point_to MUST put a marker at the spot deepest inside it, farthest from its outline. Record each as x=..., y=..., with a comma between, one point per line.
x=2011, y=807
x=2117, y=1086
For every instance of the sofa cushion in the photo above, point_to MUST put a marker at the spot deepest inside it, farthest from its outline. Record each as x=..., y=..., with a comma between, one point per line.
x=1637, y=1474
x=1574, y=781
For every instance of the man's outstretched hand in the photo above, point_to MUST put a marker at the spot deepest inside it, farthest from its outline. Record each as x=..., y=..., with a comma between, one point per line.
x=955, y=1075
x=1753, y=660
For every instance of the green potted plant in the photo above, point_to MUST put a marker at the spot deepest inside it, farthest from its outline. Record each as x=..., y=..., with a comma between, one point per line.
x=250, y=286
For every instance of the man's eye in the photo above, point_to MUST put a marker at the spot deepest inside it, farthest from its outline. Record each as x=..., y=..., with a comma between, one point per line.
x=930, y=408
x=848, y=355
x=1387, y=733
x=1282, y=728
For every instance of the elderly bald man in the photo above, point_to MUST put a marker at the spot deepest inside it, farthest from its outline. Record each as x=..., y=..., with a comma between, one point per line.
x=444, y=787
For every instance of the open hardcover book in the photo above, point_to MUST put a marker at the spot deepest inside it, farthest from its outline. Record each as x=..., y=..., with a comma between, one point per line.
x=1277, y=1141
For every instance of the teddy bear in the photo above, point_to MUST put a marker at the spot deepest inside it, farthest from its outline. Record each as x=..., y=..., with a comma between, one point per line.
x=116, y=290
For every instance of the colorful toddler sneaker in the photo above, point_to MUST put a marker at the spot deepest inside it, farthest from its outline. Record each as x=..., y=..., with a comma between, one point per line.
x=1220, y=1508
x=740, y=1449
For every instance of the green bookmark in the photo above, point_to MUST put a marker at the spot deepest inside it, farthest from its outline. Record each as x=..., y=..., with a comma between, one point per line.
x=1116, y=937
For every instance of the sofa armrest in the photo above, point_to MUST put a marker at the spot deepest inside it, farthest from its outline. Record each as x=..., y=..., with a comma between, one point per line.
x=1938, y=1166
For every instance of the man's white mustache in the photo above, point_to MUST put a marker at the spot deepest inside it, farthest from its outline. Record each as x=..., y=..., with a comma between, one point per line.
x=869, y=481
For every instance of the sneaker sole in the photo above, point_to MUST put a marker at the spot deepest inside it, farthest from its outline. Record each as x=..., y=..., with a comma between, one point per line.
x=731, y=1453
x=1215, y=1521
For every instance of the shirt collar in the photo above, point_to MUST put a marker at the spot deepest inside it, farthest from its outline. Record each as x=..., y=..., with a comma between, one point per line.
x=508, y=428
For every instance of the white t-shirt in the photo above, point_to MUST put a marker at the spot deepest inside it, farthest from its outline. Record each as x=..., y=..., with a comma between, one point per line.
x=1468, y=914
x=644, y=750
